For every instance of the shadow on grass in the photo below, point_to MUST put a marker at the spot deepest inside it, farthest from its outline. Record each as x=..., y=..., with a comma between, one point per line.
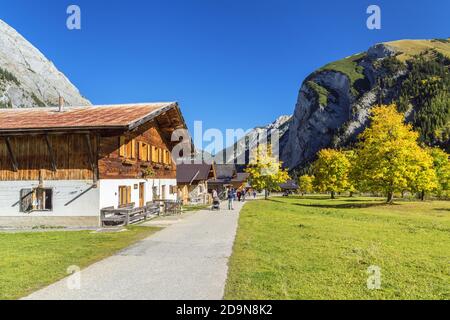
x=353, y=205
x=441, y=209
x=344, y=205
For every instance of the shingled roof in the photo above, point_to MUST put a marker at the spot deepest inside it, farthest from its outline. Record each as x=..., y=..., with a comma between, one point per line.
x=190, y=173
x=124, y=116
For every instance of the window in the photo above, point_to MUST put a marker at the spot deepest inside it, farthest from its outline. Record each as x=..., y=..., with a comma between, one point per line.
x=37, y=199
x=154, y=154
x=166, y=157
x=124, y=195
x=173, y=189
x=127, y=149
x=144, y=151
x=155, y=193
x=160, y=155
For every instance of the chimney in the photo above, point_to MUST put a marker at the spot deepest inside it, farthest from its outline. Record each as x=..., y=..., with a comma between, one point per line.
x=61, y=104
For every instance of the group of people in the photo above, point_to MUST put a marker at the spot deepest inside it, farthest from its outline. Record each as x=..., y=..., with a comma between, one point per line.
x=233, y=194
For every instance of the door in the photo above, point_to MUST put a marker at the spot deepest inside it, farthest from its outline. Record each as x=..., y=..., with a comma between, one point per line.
x=141, y=194
x=163, y=192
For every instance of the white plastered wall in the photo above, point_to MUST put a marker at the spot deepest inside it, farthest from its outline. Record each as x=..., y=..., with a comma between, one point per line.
x=109, y=190
x=71, y=198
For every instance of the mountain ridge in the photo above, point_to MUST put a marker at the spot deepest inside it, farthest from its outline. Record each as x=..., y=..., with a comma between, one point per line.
x=334, y=102
x=28, y=78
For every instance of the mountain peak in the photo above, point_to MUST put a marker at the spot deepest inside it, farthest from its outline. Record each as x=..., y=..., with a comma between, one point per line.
x=28, y=78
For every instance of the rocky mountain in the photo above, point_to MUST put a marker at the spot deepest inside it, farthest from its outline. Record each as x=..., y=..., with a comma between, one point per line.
x=334, y=102
x=240, y=151
x=28, y=78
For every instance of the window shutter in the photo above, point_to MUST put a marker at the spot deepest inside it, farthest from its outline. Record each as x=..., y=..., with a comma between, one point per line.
x=133, y=149
x=128, y=195
x=26, y=199
x=122, y=146
x=140, y=150
x=148, y=153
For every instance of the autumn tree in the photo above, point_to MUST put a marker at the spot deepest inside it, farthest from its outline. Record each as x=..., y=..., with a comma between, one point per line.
x=352, y=174
x=266, y=172
x=305, y=184
x=331, y=171
x=441, y=166
x=389, y=159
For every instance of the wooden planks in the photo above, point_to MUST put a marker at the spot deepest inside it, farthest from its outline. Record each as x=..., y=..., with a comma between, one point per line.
x=112, y=166
x=82, y=156
x=66, y=158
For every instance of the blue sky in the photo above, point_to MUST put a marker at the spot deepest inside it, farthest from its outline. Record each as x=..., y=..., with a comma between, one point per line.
x=230, y=63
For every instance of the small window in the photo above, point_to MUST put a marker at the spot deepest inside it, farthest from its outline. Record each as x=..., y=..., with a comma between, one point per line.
x=37, y=199
x=154, y=154
x=143, y=151
x=124, y=195
x=127, y=149
x=173, y=189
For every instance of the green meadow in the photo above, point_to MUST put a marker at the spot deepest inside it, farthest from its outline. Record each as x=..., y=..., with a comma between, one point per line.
x=315, y=248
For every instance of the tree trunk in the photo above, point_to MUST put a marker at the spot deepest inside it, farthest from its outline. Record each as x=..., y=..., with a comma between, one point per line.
x=390, y=197
x=422, y=196
x=265, y=194
x=333, y=195
x=351, y=194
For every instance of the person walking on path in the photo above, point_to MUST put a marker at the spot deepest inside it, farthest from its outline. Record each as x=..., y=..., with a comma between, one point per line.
x=243, y=195
x=239, y=195
x=230, y=199
x=254, y=194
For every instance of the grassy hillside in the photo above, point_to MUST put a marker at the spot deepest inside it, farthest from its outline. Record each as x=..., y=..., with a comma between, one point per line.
x=410, y=48
x=316, y=248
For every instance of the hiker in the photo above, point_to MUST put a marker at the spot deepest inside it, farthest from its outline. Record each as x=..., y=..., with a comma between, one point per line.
x=239, y=194
x=230, y=199
x=254, y=194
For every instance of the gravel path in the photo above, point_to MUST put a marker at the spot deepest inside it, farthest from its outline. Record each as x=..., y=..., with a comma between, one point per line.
x=186, y=260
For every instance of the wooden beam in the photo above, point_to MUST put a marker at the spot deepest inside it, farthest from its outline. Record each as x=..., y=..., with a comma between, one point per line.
x=14, y=164
x=92, y=160
x=50, y=152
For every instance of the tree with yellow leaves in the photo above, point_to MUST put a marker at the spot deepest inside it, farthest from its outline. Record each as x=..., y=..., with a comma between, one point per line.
x=305, y=184
x=266, y=172
x=442, y=169
x=331, y=170
x=389, y=159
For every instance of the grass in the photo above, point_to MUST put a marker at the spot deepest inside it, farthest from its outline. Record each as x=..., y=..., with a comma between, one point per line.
x=410, y=48
x=317, y=248
x=321, y=92
x=348, y=66
x=30, y=261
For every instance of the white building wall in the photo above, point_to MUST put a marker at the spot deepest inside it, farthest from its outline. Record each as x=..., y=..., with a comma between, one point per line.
x=109, y=190
x=71, y=198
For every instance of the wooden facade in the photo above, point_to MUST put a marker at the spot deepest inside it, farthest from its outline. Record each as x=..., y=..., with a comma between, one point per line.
x=150, y=153
x=47, y=157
